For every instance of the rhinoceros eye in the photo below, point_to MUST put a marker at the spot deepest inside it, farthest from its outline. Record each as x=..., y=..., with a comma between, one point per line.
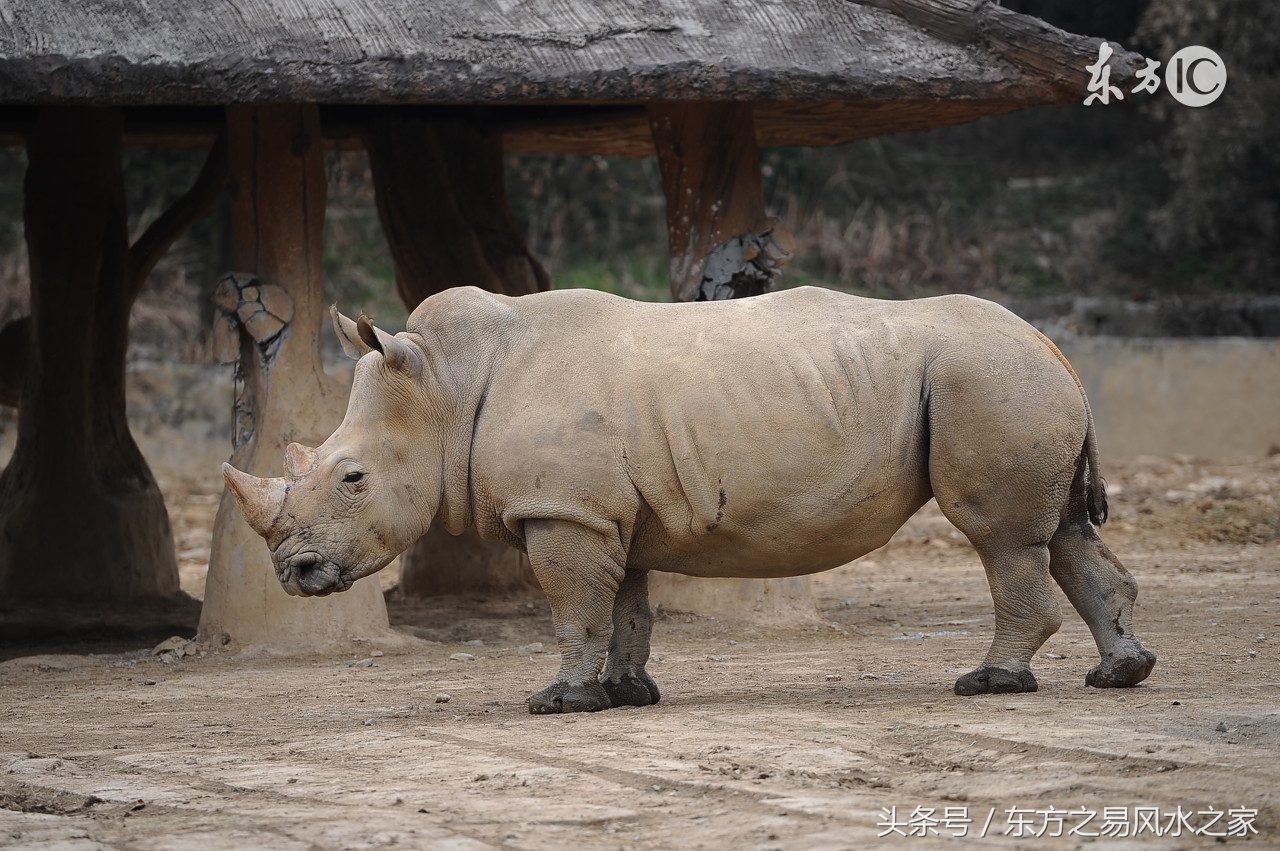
x=353, y=478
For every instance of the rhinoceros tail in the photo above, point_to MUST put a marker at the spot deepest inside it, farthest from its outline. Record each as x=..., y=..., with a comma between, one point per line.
x=1095, y=497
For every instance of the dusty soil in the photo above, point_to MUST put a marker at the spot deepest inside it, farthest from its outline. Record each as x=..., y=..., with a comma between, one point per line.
x=765, y=738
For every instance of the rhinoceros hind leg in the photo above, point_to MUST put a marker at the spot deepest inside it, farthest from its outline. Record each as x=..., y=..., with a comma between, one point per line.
x=562, y=697
x=624, y=677
x=1027, y=613
x=987, y=680
x=580, y=571
x=1103, y=592
x=1124, y=671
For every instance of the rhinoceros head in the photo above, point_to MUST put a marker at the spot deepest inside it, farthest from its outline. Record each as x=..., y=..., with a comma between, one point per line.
x=345, y=509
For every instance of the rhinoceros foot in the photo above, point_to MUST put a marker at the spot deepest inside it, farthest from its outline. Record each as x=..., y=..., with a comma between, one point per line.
x=562, y=697
x=632, y=691
x=1122, y=671
x=988, y=680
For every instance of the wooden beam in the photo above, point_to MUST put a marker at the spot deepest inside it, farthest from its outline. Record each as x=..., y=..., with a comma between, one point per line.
x=722, y=244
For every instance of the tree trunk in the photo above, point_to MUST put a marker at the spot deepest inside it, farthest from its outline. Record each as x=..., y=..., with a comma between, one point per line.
x=443, y=203
x=81, y=517
x=442, y=200
x=277, y=207
x=722, y=244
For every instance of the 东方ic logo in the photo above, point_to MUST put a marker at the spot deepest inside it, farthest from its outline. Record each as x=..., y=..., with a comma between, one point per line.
x=1195, y=76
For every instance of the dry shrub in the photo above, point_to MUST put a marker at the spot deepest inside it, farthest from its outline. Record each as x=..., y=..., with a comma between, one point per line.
x=1233, y=521
x=887, y=255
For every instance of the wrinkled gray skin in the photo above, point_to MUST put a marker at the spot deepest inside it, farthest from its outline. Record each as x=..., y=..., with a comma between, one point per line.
x=771, y=436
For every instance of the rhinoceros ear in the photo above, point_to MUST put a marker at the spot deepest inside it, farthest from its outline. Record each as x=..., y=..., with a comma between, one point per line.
x=399, y=355
x=348, y=335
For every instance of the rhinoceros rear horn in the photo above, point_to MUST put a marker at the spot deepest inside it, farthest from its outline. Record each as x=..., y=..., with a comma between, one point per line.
x=399, y=355
x=300, y=460
x=260, y=500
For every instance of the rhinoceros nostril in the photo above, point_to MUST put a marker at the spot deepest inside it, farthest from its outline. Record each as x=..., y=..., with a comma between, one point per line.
x=312, y=574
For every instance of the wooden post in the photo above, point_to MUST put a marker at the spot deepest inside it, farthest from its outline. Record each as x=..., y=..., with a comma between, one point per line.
x=443, y=204
x=722, y=246
x=81, y=517
x=278, y=192
x=721, y=242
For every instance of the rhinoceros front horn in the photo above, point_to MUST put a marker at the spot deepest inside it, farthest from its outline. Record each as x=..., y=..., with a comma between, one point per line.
x=260, y=500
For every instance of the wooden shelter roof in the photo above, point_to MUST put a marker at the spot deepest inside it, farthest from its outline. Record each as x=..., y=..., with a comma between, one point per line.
x=820, y=71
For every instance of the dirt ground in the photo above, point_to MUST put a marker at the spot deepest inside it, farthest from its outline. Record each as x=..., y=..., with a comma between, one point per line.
x=765, y=738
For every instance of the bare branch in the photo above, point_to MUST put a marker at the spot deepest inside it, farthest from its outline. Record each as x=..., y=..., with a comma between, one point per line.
x=181, y=215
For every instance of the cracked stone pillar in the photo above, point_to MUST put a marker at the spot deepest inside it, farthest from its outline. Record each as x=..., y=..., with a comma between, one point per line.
x=271, y=314
x=722, y=246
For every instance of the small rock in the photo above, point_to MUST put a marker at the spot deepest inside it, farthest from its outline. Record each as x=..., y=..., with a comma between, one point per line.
x=368, y=722
x=1121, y=699
x=443, y=698
x=292, y=780
x=148, y=682
x=730, y=643
x=461, y=657
x=848, y=603
x=719, y=658
x=831, y=678
x=1261, y=637
x=530, y=649
x=475, y=642
x=1054, y=656
x=360, y=663
x=377, y=654
x=1177, y=703
x=1253, y=654
x=1221, y=728
x=171, y=644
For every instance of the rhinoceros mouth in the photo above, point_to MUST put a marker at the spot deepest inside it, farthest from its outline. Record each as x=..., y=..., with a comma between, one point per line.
x=310, y=574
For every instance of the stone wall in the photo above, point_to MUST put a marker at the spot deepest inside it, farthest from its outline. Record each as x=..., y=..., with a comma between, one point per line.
x=1213, y=397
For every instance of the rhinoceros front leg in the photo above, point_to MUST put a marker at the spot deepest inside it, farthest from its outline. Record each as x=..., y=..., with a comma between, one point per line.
x=624, y=677
x=580, y=571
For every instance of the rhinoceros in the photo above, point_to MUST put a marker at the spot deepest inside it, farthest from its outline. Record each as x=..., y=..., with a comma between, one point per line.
x=772, y=436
